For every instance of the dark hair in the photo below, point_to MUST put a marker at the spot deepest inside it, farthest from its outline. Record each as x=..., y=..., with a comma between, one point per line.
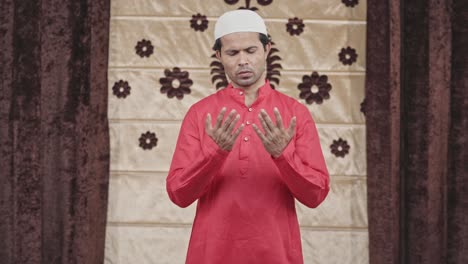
x=263, y=38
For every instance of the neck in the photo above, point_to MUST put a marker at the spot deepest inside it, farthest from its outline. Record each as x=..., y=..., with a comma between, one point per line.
x=251, y=92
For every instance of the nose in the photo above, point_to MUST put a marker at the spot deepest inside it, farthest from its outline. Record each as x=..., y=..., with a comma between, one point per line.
x=242, y=59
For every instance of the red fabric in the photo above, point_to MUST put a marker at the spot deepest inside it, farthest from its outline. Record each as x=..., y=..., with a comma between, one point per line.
x=246, y=211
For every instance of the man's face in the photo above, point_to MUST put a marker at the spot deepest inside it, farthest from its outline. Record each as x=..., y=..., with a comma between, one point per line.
x=244, y=59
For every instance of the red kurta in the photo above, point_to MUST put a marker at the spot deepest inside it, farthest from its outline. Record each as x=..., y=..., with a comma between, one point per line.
x=246, y=211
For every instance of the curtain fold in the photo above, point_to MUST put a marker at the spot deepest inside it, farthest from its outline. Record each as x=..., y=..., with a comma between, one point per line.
x=457, y=182
x=54, y=140
x=416, y=95
x=382, y=101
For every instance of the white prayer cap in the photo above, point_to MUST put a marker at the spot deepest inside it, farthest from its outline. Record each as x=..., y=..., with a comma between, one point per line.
x=242, y=20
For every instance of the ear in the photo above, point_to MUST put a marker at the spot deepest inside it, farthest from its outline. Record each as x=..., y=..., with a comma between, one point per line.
x=218, y=54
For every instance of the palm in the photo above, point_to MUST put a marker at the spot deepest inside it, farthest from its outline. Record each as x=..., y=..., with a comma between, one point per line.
x=276, y=136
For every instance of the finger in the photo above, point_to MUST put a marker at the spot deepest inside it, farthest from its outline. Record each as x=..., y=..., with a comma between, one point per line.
x=279, y=119
x=263, y=123
x=220, y=117
x=233, y=124
x=292, y=126
x=259, y=133
x=208, y=125
x=228, y=120
x=267, y=119
x=237, y=133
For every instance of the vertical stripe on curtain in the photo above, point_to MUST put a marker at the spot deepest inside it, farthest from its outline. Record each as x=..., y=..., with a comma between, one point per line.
x=416, y=92
x=383, y=129
x=54, y=142
x=457, y=182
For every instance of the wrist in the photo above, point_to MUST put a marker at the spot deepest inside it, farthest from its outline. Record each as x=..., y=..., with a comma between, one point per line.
x=276, y=154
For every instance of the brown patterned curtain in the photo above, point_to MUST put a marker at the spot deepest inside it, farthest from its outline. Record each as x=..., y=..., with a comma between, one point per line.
x=54, y=145
x=417, y=123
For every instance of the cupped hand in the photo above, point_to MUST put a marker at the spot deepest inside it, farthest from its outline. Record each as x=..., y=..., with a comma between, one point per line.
x=276, y=136
x=222, y=132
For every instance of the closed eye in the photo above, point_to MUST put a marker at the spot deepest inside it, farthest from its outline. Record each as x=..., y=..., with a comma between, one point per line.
x=232, y=52
x=251, y=50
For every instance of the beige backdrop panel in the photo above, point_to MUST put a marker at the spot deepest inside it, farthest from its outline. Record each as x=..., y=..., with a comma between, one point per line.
x=143, y=225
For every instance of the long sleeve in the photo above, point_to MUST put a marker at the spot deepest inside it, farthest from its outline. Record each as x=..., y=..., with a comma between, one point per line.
x=194, y=164
x=302, y=165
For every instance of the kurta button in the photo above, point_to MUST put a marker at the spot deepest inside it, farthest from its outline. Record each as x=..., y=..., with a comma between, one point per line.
x=250, y=109
x=246, y=139
x=241, y=93
x=248, y=122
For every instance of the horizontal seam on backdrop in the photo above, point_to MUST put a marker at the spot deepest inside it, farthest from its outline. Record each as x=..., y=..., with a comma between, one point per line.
x=136, y=173
x=187, y=225
x=207, y=69
x=213, y=19
x=146, y=121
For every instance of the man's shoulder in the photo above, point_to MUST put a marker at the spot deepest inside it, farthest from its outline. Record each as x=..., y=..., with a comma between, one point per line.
x=207, y=100
x=206, y=103
x=289, y=101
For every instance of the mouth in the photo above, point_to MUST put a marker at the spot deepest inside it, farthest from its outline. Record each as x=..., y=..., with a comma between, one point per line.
x=244, y=74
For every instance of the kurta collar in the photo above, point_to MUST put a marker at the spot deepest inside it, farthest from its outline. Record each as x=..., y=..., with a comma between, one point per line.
x=263, y=91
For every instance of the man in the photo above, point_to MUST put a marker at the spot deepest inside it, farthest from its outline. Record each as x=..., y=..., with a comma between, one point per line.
x=246, y=153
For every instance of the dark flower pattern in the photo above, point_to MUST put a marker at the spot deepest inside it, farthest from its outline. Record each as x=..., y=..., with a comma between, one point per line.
x=314, y=88
x=176, y=83
x=273, y=69
x=295, y=26
x=199, y=22
x=340, y=148
x=121, y=89
x=364, y=106
x=219, y=76
x=247, y=3
x=273, y=66
x=264, y=2
x=350, y=3
x=148, y=140
x=144, y=48
x=250, y=8
x=348, y=56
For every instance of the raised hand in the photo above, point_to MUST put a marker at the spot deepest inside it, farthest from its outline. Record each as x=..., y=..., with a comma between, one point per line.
x=221, y=133
x=276, y=137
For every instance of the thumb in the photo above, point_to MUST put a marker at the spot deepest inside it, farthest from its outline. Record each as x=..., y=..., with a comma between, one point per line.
x=208, y=124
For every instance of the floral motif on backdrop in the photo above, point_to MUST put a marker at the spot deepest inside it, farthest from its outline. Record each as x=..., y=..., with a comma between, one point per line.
x=148, y=140
x=340, y=148
x=219, y=78
x=295, y=26
x=350, y=3
x=176, y=83
x=247, y=3
x=121, y=89
x=347, y=56
x=199, y=22
x=144, y=48
x=364, y=106
x=314, y=88
x=273, y=66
